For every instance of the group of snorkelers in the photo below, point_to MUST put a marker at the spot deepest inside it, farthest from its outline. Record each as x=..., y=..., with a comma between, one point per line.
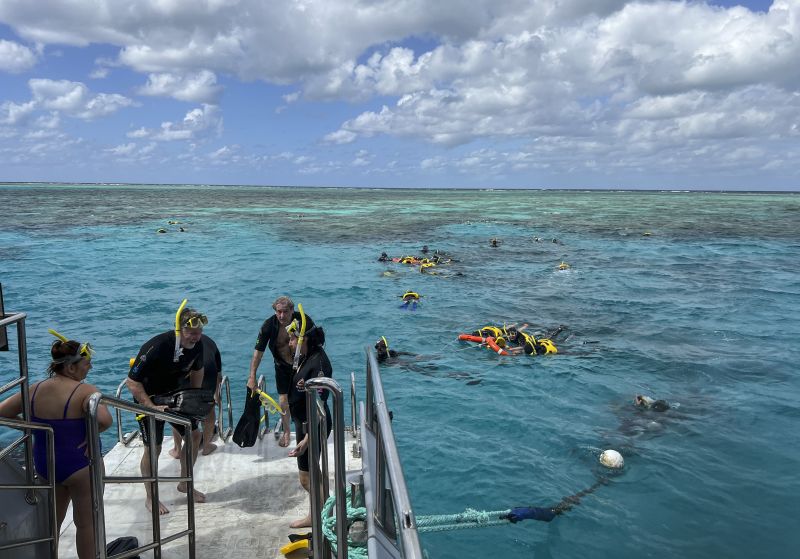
x=514, y=340
x=426, y=261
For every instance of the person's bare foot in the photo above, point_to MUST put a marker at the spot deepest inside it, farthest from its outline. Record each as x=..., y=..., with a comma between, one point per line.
x=208, y=449
x=175, y=452
x=161, y=508
x=284, y=440
x=198, y=497
x=301, y=523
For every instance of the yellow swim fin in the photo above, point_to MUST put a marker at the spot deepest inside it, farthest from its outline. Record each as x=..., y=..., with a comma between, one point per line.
x=294, y=546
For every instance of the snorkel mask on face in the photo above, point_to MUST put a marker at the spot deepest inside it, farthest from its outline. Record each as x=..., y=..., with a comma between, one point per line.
x=196, y=320
x=85, y=350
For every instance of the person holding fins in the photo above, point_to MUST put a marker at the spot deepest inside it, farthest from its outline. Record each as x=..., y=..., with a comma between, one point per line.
x=273, y=334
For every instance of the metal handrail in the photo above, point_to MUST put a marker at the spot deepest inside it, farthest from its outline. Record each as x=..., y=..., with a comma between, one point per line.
x=128, y=437
x=353, y=417
x=225, y=434
x=28, y=426
x=388, y=462
x=317, y=433
x=98, y=477
x=50, y=486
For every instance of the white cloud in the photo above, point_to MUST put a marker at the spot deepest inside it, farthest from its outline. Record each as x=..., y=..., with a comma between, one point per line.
x=340, y=137
x=122, y=149
x=15, y=58
x=199, y=87
x=16, y=113
x=74, y=99
x=196, y=124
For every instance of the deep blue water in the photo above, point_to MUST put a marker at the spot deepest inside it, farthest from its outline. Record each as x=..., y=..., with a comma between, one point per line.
x=702, y=312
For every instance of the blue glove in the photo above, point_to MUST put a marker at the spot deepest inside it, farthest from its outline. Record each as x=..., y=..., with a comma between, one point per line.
x=532, y=513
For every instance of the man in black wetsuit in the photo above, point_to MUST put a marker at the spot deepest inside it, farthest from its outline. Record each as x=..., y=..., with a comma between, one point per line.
x=159, y=368
x=273, y=335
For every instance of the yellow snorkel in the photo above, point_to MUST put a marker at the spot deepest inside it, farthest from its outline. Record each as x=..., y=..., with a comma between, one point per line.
x=300, y=337
x=268, y=402
x=85, y=350
x=177, y=354
x=61, y=337
x=386, y=343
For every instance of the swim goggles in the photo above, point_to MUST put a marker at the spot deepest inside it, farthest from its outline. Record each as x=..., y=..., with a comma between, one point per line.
x=197, y=321
x=85, y=350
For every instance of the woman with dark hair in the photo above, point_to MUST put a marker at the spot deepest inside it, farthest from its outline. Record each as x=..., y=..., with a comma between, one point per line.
x=61, y=402
x=313, y=363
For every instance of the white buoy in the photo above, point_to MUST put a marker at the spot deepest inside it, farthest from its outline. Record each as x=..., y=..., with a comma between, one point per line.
x=612, y=459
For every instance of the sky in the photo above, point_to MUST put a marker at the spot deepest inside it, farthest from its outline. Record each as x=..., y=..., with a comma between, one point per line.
x=403, y=93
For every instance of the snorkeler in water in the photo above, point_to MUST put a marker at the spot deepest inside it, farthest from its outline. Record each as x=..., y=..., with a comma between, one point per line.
x=384, y=258
x=648, y=403
x=416, y=363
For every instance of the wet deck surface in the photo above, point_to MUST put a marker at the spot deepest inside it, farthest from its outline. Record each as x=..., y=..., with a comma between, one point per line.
x=253, y=494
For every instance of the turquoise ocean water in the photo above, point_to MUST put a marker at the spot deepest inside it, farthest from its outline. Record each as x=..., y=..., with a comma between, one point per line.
x=702, y=312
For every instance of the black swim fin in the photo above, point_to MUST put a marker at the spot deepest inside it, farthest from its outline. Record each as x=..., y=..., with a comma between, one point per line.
x=246, y=431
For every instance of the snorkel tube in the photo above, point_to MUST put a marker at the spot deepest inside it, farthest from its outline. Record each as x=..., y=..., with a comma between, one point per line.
x=177, y=355
x=61, y=337
x=300, y=337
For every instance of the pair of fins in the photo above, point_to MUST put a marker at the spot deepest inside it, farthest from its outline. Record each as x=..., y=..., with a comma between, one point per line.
x=297, y=541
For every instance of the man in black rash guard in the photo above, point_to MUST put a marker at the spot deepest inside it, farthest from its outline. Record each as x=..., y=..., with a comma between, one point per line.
x=314, y=363
x=155, y=372
x=273, y=335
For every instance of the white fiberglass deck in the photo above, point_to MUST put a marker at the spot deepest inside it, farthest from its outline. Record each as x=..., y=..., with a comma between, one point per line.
x=253, y=494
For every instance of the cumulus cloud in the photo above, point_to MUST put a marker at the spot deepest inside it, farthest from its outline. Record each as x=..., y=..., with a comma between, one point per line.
x=74, y=99
x=588, y=81
x=15, y=58
x=199, y=87
x=197, y=123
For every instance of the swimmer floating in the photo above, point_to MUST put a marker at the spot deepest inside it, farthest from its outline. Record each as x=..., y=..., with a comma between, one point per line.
x=411, y=300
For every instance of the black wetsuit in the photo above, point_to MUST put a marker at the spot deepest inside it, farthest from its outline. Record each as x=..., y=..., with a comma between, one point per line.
x=316, y=365
x=212, y=363
x=155, y=369
x=268, y=337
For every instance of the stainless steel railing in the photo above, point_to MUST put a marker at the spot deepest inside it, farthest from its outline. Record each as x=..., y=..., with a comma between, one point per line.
x=225, y=389
x=26, y=439
x=99, y=479
x=317, y=428
x=393, y=516
x=126, y=438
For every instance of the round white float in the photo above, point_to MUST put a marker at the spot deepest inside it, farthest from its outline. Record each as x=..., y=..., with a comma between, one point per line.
x=611, y=459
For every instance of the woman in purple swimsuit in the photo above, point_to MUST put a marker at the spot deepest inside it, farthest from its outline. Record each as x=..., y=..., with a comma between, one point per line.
x=61, y=401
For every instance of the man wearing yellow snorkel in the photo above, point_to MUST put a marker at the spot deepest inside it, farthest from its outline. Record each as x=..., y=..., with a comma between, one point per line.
x=159, y=367
x=273, y=334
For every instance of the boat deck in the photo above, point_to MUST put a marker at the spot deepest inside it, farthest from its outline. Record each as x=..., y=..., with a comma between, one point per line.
x=253, y=494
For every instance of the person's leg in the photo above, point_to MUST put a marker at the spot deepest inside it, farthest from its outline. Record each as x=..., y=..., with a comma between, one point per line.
x=178, y=442
x=183, y=486
x=305, y=481
x=283, y=400
x=144, y=466
x=80, y=489
x=62, y=503
x=208, y=433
